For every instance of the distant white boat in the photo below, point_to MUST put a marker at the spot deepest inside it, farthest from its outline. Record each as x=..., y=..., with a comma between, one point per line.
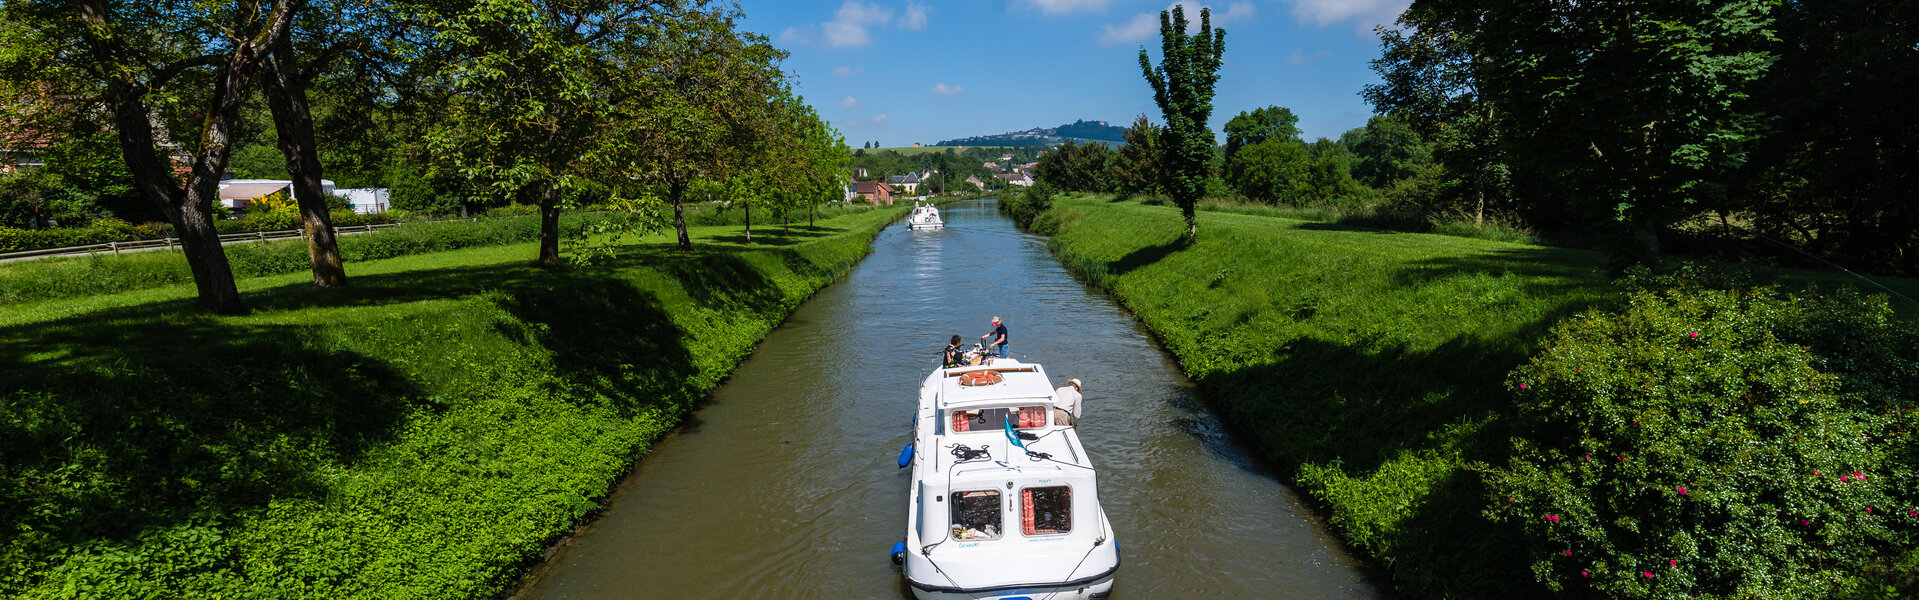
x=988, y=518
x=925, y=216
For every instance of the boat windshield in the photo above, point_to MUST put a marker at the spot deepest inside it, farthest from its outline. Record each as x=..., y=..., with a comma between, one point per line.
x=1046, y=510
x=976, y=515
x=994, y=419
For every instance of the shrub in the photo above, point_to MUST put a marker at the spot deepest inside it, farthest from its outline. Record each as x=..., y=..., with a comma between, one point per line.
x=1716, y=442
x=1025, y=206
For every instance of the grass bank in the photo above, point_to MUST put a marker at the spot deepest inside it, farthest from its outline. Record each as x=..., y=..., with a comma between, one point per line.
x=1370, y=364
x=422, y=433
x=1367, y=363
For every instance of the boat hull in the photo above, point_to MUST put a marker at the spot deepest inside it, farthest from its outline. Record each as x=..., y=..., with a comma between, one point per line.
x=1101, y=588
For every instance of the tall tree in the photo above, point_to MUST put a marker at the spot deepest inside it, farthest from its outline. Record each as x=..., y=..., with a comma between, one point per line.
x=534, y=87
x=704, y=94
x=143, y=61
x=1183, y=89
x=325, y=33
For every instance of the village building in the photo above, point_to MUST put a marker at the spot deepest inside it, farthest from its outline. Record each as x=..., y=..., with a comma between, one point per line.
x=874, y=192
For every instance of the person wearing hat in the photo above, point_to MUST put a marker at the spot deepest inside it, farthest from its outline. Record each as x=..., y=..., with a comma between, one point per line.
x=997, y=337
x=1066, y=408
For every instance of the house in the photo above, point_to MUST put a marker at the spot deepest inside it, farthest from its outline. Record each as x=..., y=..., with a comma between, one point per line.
x=859, y=172
x=875, y=192
x=366, y=201
x=909, y=181
x=991, y=166
x=1019, y=179
x=975, y=181
x=235, y=194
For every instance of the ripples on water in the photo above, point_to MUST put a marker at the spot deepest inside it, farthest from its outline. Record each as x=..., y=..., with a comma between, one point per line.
x=784, y=483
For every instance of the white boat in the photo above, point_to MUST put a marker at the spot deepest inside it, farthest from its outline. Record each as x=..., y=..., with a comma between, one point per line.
x=988, y=518
x=925, y=216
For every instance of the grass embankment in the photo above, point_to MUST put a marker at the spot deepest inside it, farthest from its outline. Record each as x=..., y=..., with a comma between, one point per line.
x=1367, y=363
x=422, y=433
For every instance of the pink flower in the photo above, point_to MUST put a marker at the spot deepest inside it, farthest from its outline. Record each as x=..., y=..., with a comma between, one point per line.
x=1522, y=386
x=1857, y=477
x=1648, y=574
x=1672, y=563
x=1585, y=574
x=1844, y=478
x=1621, y=458
x=1694, y=335
x=1817, y=473
x=1566, y=552
x=1579, y=370
x=1912, y=513
x=1589, y=457
x=1682, y=491
x=1635, y=422
x=1805, y=522
x=1869, y=510
x=1552, y=518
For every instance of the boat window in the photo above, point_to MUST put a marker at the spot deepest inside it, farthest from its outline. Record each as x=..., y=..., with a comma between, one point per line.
x=1046, y=510
x=976, y=515
x=994, y=419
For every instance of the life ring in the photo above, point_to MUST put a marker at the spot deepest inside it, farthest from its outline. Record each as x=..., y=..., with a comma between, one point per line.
x=979, y=378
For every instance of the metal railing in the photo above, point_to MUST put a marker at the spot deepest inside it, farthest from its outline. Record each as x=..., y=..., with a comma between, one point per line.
x=171, y=242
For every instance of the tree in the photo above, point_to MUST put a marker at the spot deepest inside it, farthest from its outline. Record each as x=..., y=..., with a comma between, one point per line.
x=1257, y=126
x=152, y=62
x=1135, y=167
x=1386, y=150
x=705, y=94
x=1273, y=170
x=1183, y=89
x=533, y=88
x=1432, y=82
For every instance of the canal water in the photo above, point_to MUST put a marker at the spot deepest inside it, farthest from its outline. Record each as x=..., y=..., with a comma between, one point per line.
x=784, y=484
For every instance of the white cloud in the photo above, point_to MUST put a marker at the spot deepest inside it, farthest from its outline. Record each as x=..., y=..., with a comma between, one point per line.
x=1363, y=13
x=848, y=27
x=1146, y=25
x=1067, y=7
x=876, y=120
x=851, y=102
x=1300, y=57
x=915, y=17
x=795, y=36
x=846, y=71
x=1141, y=27
x=947, y=90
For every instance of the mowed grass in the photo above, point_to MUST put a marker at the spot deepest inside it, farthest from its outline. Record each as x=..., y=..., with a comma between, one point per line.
x=1369, y=364
x=424, y=432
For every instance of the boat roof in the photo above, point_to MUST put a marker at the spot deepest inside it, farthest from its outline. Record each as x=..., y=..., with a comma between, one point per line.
x=1023, y=382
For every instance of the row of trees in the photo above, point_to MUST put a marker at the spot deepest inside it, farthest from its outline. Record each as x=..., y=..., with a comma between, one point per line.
x=547, y=102
x=1631, y=124
x=1782, y=118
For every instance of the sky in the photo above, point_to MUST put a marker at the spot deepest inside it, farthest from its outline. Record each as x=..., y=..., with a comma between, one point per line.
x=904, y=71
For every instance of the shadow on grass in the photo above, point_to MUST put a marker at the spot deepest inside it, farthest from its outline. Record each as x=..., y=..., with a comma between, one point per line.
x=118, y=424
x=1144, y=256
x=1359, y=405
x=130, y=420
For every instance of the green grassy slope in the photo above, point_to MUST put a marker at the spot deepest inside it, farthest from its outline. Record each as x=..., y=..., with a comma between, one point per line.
x=422, y=433
x=1367, y=363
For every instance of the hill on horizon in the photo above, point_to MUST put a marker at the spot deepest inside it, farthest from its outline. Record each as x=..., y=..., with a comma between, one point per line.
x=1078, y=131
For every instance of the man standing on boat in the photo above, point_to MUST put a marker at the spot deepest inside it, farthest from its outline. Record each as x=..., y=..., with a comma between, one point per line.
x=954, y=355
x=998, y=337
x=1066, y=408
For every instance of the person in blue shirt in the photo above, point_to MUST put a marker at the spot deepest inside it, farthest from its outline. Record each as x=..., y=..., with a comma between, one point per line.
x=996, y=338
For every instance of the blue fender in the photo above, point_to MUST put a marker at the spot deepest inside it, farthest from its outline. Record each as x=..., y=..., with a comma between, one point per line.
x=899, y=553
x=906, y=455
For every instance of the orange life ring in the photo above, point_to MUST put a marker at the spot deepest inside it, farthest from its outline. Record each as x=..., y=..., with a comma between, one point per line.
x=980, y=378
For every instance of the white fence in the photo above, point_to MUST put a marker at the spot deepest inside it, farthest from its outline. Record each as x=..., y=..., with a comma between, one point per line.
x=170, y=242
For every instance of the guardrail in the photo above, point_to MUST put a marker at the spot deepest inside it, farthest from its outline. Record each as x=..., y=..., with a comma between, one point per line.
x=170, y=242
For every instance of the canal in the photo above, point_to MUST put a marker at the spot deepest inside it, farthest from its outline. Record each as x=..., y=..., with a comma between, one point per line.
x=784, y=485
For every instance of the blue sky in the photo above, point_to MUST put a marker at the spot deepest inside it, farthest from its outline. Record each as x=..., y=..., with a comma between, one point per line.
x=904, y=71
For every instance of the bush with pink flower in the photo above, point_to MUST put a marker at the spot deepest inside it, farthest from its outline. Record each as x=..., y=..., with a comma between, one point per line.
x=1755, y=433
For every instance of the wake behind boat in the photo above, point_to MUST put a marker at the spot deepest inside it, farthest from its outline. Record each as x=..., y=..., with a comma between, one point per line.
x=925, y=216
x=1004, y=501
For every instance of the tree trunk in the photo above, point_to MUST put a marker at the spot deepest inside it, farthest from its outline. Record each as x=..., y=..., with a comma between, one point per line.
x=749, y=221
x=1645, y=233
x=549, y=224
x=676, y=191
x=809, y=215
x=293, y=121
x=786, y=225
